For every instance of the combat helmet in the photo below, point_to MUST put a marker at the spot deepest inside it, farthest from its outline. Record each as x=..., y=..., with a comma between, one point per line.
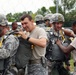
x=3, y=20
x=47, y=16
x=57, y=17
x=39, y=18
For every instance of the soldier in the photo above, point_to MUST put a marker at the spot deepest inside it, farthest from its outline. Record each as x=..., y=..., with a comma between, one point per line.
x=71, y=47
x=47, y=19
x=53, y=53
x=48, y=22
x=14, y=25
x=39, y=19
x=8, y=48
x=38, y=37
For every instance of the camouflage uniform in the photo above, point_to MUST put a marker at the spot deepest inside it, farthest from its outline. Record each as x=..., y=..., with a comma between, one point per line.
x=47, y=20
x=36, y=69
x=55, y=66
x=39, y=19
x=8, y=48
x=48, y=17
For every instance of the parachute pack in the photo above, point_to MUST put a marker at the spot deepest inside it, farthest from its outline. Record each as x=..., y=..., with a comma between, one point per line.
x=53, y=51
x=23, y=53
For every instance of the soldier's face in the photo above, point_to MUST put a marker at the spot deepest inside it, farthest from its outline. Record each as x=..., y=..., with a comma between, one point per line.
x=47, y=22
x=14, y=27
x=58, y=25
x=27, y=24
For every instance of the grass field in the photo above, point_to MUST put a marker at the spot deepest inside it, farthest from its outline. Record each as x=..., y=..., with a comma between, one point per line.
x=71, y=65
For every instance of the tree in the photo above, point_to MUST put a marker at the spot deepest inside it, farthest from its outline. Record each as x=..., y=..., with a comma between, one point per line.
x=53, y=9
x=42, y=11
x=9, y=17
x=70, y=17
x=66, y=5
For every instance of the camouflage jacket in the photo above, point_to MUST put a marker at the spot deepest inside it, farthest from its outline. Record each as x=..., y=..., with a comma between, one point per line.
x=8, y=46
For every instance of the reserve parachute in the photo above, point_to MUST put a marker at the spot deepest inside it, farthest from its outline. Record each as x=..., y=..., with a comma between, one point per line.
x=23, y=53
x=53, y=51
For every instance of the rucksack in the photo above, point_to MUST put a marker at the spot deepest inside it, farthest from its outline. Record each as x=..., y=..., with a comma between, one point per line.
x=24, y=53
x=53, y=51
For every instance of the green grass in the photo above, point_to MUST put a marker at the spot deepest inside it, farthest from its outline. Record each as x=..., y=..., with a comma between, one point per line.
x=71, y=64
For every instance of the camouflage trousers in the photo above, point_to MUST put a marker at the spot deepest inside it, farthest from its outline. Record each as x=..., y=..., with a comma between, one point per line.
x=11, y=71
x=49, y=64
x=37, y=69
x=15, y=71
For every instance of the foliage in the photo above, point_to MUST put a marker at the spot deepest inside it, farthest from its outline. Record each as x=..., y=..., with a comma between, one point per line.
x=52, y=9
x=42, y=11
x=70, y=17
x=66, y=7
x=68, y=4
x=9, y=17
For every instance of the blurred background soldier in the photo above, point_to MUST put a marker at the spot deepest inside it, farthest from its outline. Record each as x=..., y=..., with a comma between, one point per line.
x=8, y=48
x=53, y=53
x=48, y=22
x=39, y=20
x=14, y=26
x=47, y=19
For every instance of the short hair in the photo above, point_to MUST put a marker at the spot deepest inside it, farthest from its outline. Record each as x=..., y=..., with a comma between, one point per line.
x=25, y=16
x=74, y=23
x=14, y=23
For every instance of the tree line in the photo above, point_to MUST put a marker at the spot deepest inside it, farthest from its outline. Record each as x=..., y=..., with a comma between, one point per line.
x=65, y=7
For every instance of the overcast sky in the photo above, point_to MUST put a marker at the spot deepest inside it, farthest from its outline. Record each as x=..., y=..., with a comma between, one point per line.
x=13, y=6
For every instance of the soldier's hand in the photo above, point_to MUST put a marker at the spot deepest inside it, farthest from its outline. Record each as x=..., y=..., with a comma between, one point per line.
x=58, y=42
x=23, y=35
